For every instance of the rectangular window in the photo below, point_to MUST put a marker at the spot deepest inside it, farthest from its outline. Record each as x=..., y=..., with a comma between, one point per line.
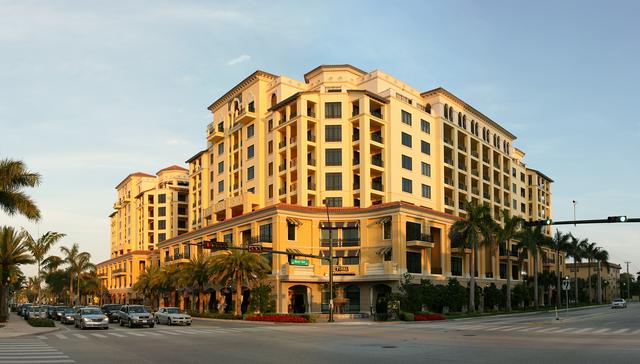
x=250, y=173
x=333, y=157
x=221, y=167
x=270, y=191
x=333, y=181
x=271, y=168
x=413, y=230
x=250, y=131
x=456, y=266
x=521, y=176
x=333, y=133
x=513, y=172
x=406, y=140
x=414, y=262
x=406, y=117
x=426, y=191
x=425, y=147
x=270, y=124
x=386, y=230
x=250, y=152
x=220, y=186
x=425, y=126
x=228, y=238
x=162, y=224
x=162, y=211
x=350, y=260
x=162, y=198
x=407, y=185
x=426, y=169
x=270, y=147
x=266, y=233
x=291, y=231
x=406, y=162
x=220, y=148
x=162, y=237
x=513, y=188
x=332, y=110
x=334, y=202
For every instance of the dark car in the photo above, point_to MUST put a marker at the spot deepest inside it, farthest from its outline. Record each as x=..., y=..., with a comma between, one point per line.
x=67, y=316
x=58, y=312
x=111, y=311
x=135, y=315
x=23, y=309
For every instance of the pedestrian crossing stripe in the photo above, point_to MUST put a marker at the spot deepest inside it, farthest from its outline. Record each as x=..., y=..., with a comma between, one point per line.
x=31, y=351
x=620, y=331
x=80, y=336
x=116, y=334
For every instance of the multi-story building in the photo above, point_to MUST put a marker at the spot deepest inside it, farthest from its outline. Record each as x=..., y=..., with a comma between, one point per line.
x=392, y=164
x=610, y=276
x=148, y=210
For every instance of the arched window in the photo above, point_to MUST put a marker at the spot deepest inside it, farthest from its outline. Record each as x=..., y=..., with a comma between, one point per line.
x=459, y=119
x=428, y=108
x=464, y=121
x=450, y=113
x=484, y=134
x=446, y=111
x=274, y=99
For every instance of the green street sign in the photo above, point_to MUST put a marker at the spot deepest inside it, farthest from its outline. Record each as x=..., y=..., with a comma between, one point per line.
x=303, y=262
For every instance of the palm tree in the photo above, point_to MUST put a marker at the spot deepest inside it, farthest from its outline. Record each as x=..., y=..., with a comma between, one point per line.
x=239, y=267
x=13, y=177
x=504, y=235
x=531, y=238
x=547, y=279
x=52, y=263
x=197, y=273
x=575, y=249
x=602, y=256
x=40, y=247
x=590, y=250
x=13, y=252
x=475, y=229
x=559, y=242
x=78, y=263
x=90, y=284
x=148, y=284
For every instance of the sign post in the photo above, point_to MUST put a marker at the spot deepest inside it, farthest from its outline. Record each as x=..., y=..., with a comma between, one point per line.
x=566, y=286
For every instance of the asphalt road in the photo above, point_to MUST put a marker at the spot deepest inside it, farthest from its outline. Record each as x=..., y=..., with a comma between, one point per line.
x=586, y=336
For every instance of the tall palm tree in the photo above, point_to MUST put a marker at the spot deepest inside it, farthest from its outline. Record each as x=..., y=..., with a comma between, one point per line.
x=52, y=263
x=14, y=176
x=575, y=249
x=602, y=256
x=78, y=263
x=40, y=247
x=531, y=238
x=197, y=272
x=239, y=267
x=590, y=250
x=547, y=279
x=90, y=284
x=13, y=252
x=559, y=242
x=149, y=284
x=504, y=235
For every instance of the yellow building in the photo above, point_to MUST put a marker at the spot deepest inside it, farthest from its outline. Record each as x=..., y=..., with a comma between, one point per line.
x=148, y=210
x=380, y=153
x=610, y=276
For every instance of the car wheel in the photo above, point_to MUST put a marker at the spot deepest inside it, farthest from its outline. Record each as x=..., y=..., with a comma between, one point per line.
x=130, y=324
x=188, y=323
x=156, y=320
x=152, y=325
x=169, y=322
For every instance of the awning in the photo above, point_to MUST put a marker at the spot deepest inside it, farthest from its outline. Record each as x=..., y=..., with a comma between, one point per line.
x=384, y=220
x=383, y=251
x=324, y=253
x=339, y=224
x=294, y=251
x=353, y=253
x=340, y=253
x=293, y=221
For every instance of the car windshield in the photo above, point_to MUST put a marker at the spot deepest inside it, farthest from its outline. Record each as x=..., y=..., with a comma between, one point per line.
x=91, y=311
x=617, y=300
x=173, y=310
x=135, y=309
x=69, y=310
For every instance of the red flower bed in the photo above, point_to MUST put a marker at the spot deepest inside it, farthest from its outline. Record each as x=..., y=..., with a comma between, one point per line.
x=279, y=318
x=428, y=317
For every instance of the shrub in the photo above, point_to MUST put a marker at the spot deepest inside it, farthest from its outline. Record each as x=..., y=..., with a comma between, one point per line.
x=428, y=316
x=303, y=318
x=212, y=315
x=40, y=322
x=406, y=316
x=262, y=299
x=381, y=316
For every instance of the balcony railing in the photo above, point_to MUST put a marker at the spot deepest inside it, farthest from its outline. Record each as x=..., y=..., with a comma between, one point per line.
x=475, y=172
x=376, y=161
x=282, y=190
x=356, y=185
x=311, y=137
x=448, y=141
x=486, y=159
x=340, y=242
x=356, y=161
x=462, y=166
x=282, y=167
x=377, y=185
x=376, y=137
x=311, y=161
x=448, y=180
x=448, y=160
x=355, y=136
x=377, y=113
x=475, y=153
x=462, y=147
x=475, y=190
x=448, y=201
x=420, y=237
x=282, y=144
x=312, y=186
x=486, y=195
x=462, y=186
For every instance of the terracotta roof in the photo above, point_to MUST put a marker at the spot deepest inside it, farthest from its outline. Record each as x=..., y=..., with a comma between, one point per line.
x=172, y=168
x=329, y=66
x=252, y=77
x=135, y=174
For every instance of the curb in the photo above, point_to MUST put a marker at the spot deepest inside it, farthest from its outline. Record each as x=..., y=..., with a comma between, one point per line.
x=529, y=313
x=232, y=321
x=20, y=334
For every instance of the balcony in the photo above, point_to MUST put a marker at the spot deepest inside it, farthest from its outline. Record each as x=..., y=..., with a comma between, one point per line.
x=475, y=191
x=311, y=186
x=475, y=172
x=420, y=241
x=486, y=178
x=448, y=141
x=311, y=162
x=462, y=186
x=246, y=114
x=356, y=136
x=355, y=161
x=311, y=138
x=448, y=181
x=448, y=201
x=293, y=163
x=377, y=161
x=462, y=166
x=292, y=140
x=282, y=167
x=377, y=113
x=377, y=185
x=448, y=161
x=356, y=185
x=282, y=144
x=474, y=153
x=376, y=137
x=486, y=159
x=119, y=272
x=311, y=113
x=215, y=134
x=486, y=195
x=462, y=147
x=282, y=190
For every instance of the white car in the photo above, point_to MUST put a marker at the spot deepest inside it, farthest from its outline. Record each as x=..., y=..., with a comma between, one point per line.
x=619, y=303
x=172, y=316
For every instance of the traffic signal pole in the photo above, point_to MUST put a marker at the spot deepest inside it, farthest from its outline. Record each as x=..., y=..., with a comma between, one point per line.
x=609, y=220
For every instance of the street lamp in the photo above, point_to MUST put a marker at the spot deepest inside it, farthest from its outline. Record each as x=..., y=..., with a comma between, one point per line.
x=330, y=263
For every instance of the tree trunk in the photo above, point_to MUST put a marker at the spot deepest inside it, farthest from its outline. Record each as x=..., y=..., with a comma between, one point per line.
x=589, y=279
x=38, y=293
x=599, y=285
x=472, y=282
x=535, y=281
x=79, y=289
x=558, y=299
x=238, y=296
x=575, y=274
x=4, y=299
x=508, y=279
x=71, y=290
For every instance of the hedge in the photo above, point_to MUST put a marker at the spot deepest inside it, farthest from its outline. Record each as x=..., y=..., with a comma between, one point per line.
x=292, y=318
x=214, y=315
x=428, y=317
x=40, y=322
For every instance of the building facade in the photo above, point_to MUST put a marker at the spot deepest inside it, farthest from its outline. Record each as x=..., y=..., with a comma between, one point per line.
x=610, y=276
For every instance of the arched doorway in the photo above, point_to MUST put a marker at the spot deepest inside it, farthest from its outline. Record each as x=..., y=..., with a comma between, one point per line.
x=298, y=299
x=380, y=297
x=352, y=295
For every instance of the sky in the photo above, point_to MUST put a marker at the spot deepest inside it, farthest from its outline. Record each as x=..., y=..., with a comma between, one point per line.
x=92, y=91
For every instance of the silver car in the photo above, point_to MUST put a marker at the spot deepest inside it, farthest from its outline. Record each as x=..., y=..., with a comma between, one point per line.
x=87, y=317
x=67, y=316
x=172, y=316
x=619, y=303
x=37, y=312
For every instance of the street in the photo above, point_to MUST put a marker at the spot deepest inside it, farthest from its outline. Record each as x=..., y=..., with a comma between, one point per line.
x=583, y=336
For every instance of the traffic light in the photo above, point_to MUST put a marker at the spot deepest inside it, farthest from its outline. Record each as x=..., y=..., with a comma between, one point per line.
x=539, y=222
x=215, y=245
x=546, y=222
x=255, y=248
x=617, y=219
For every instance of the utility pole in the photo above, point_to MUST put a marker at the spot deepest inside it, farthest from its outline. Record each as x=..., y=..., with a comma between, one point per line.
x=628, y=280
x=330, y=265
x=574, y=212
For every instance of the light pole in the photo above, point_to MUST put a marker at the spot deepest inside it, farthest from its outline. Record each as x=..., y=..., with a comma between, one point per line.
x=574, y=212
x=330, y=264
x=567, y=293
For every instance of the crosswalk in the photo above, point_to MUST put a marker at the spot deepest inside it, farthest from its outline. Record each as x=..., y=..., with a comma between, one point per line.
x=531, y=329
x=27, y=351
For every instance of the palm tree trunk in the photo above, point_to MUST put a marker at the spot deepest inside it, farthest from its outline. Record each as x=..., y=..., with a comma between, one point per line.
x=535, y=281
x=4, y=299
x=238, y=296
x=508, y=279
x=558, y=299
x=38, y=292
x=575, y=273
x=589, y=280
x=472, y=282
x=71, y=290
x=78, y=288
x=599, y=285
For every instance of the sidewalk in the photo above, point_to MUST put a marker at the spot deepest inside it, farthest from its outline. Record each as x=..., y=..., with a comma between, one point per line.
x=17, y=326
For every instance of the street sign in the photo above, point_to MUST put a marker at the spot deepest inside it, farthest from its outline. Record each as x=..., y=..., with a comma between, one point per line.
x=302, y=262
x=566, y=285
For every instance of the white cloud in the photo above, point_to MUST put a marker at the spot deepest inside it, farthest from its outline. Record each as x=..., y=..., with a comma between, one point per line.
x=243, y=58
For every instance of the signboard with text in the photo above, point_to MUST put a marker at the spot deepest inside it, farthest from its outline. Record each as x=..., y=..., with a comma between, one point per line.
x=344, y=270
x=566, y=285
x=302, y=262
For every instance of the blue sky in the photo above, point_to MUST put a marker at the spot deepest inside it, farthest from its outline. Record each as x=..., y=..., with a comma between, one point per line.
x=91, y=91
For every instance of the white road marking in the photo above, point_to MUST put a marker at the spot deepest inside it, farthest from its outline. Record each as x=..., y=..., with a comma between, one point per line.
x=116, y=334
x=533, y=328
x=60, y=336
x=601, y=331
x=635, y=332
x=514, y=328
x=581, y=331
x=619, y=331
x=168, y=332
x=136, y=333
x=546, y=330
x=98, y=335
x=562, y=330
x=154, y=333
x=498, y=328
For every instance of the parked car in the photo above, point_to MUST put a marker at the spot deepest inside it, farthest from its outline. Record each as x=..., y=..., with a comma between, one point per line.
x=68, y=316
x=172, y=316
x=37, y=312
x=23, y=309
x=619, y=303
x=135, y=315
x=58, y=312
x=87, y=317
x=111, y=311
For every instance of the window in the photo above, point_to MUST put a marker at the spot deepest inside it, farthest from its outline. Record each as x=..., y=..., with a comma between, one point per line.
x=513, y=187
x=333, y=110
x=220, y=148
x=350, y=260
x=407, y=185
x=250, y=173
x=522, y=192
x=250, y=152
x=414, y=262
x=228, y=238
x=514, y=204
x=386, y=230
x=266, y=233
x=270, y=168
x=523, y=208
x=521, y=176
x=221, y=167
x=334, y=202
x=426, y=169
x=413, y=231
x=456, y=266
x=162, y=211
x=270, y=191
x=425, y=126
x=450, y=113
x=270, y=147
x=251, y=190
x=162, y=198
x=162, y=237
x=406, y=162
x=333, y=181
x=426, y=191
x=333, y=157
x=221, y=186
x=270, y=124
x=425, y=147
x=162, y=224
x=513, y=172
x=406, y=140
x=333, y=133
x=250, y=131
x=406, y=117
x=291, y=231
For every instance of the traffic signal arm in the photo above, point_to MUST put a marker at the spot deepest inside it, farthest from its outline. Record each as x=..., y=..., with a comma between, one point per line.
x=609, y=220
